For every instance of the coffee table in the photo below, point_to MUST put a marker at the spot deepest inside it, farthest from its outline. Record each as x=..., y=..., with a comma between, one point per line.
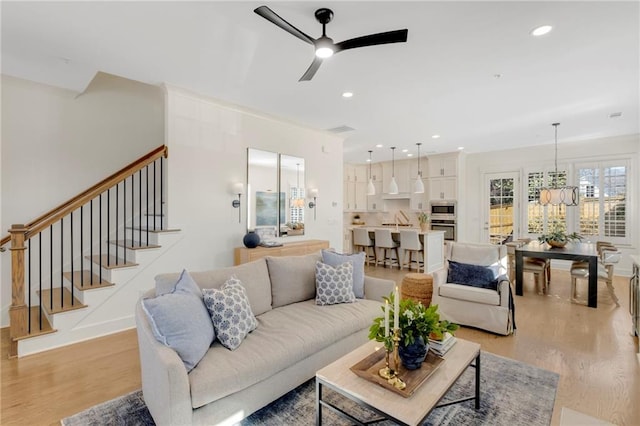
x=390, y=405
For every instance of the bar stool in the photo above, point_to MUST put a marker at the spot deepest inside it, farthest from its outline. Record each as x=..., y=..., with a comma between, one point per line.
x=410, y=243
x=385, y=241
x=362, y=242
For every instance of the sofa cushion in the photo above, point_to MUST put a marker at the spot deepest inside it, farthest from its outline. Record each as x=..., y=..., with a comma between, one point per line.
x=293, y=278
x=179, y=320
x=334, y=284
x=284, y=337
x=473, y=275
x=357, y=260
x=468, y=293
x=230, y=312
x=254, y=276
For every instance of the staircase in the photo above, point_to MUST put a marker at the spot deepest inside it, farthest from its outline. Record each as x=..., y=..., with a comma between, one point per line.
x=78, y=270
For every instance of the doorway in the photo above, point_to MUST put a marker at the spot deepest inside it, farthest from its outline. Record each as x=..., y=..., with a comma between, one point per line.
x=501, y=207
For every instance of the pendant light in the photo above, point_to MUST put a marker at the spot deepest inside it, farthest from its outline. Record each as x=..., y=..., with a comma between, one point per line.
x=567, y=195
x=393, y=186
x=297, y=201
x=418, y=186
x=371, y=189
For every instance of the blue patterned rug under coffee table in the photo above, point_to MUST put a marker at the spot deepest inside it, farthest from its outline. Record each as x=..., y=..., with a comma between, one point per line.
x=512, y=393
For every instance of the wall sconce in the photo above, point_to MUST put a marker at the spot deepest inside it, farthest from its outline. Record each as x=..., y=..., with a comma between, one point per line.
x=238, y=189
x=312, y=204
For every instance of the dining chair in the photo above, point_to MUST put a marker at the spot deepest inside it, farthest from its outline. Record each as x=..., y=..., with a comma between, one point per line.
x=609, y=255
x=384, y=241
x=363, y=242
x=538, y=267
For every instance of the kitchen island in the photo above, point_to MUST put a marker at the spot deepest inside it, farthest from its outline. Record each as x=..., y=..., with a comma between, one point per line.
x=432, y=241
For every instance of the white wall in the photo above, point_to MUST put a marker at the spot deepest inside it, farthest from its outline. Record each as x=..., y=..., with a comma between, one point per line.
x=470, y=219
x=56, y=143
x=208, y=144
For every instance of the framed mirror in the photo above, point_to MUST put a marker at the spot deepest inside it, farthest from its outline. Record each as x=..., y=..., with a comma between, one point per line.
x=292, y=185
x=275, y=194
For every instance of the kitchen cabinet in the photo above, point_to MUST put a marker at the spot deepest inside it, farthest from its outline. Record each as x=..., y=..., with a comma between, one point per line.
x=419, y=201
x=355, y=188
x=443, y=189
x=445, y=165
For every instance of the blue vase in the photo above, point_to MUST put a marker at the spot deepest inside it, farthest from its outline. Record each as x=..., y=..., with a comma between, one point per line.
x=251, y=240
x=412, y=356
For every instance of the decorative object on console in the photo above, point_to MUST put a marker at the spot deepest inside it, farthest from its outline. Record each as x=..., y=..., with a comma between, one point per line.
x=230, y=312
x=238, y=189
x=418, y=187
x=567, y=195
x=251, y=239
x=312, y=204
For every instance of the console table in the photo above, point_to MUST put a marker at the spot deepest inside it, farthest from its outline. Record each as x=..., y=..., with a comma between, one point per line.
x=297, y=248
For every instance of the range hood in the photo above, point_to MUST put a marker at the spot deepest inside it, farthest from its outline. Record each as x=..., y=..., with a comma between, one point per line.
x=400, y=196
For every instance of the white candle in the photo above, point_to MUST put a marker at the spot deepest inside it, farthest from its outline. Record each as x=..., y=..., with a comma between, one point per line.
x=396, y=310
x=386, y=318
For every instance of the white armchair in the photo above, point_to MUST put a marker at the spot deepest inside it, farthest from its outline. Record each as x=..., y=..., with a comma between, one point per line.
x=479, y=307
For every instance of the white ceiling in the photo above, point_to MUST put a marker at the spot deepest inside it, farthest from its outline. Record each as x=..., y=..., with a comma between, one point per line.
x=441, y=81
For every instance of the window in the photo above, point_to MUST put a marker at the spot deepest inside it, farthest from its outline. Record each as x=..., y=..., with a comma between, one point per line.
x=543, y=218
x=603, y=192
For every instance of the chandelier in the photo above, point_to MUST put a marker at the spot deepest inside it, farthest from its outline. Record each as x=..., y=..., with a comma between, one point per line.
x=567, y=195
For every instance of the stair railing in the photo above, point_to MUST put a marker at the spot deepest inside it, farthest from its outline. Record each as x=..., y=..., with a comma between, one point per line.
x=128, y=194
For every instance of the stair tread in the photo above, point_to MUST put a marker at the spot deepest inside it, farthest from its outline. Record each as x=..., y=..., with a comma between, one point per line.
x=84, y=277
x=155, y=231
x=110, y=262
x=34, y=313
x=59, y=307
x=135, y=245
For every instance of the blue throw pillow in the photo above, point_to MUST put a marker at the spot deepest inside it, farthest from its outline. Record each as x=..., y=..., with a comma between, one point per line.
x=357, y=260
x=474, y=275
x=179, y=320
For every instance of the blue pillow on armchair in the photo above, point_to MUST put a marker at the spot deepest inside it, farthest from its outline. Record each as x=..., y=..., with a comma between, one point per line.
x=474, y=275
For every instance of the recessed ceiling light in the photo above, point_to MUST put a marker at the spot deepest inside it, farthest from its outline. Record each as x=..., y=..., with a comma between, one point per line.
x=379, y=145
x=347, y=94
x=409, y=155
x=460, y=148
x=368, y=160
x=541, y=30
x=435, y=136
x=405, y=150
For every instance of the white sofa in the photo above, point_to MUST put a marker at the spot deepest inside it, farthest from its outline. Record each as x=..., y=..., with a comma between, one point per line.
x=483, y=308
x=294, y=338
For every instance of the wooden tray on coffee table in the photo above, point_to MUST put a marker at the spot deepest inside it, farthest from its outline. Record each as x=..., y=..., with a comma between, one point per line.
x=368, y=369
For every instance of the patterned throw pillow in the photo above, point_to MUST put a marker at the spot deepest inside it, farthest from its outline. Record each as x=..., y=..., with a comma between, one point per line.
x=230, y=312
x=334, y=285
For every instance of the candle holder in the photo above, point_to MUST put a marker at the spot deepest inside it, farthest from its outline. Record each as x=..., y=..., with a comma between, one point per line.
x=396, y=381
x=385, y=372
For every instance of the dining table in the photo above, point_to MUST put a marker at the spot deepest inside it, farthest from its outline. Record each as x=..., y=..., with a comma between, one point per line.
x=573, y=251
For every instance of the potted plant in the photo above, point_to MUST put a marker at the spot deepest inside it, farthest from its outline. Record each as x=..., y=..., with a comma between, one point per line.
x=423, y=219
x=559, y=238
x=416, y=323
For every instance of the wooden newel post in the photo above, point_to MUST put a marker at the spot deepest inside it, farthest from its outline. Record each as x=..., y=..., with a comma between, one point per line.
x=19, y=310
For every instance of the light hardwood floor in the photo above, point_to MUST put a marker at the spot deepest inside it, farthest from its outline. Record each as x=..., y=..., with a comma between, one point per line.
x=591, y=349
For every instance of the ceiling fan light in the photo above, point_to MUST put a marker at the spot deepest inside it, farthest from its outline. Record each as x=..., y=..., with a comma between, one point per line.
x=324, y=47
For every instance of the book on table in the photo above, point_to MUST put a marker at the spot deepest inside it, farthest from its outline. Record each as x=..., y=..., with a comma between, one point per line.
x=440, y=347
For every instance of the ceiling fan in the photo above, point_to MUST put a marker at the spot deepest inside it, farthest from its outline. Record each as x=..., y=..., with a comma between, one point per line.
x=324, y=46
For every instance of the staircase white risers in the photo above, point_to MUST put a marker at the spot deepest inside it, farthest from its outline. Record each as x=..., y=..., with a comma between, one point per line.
x=109, y=309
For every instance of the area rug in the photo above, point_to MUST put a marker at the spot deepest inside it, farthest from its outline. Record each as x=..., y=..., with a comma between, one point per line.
x=512, y=393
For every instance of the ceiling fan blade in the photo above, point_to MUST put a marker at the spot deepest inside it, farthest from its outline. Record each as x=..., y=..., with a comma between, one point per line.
x=398, y=36
x=273, y=17
x=311, y=71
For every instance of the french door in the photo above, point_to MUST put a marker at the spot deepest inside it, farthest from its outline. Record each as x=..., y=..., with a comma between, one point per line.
x=501, y=204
